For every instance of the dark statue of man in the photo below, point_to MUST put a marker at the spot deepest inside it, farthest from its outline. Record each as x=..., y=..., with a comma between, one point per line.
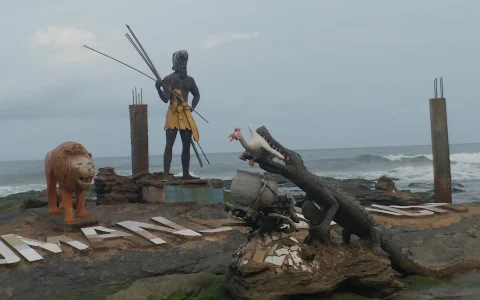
x=179, y=117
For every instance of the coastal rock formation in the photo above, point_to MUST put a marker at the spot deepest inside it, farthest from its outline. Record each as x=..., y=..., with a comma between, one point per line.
x=114, y=189
x=444, y=249
x=35, y=203
x=102, y=271
x=277, y=266
x=448, y=244
x=386, y=193
x=163, y=287
x=38, y=199
x=386, y=184
x=382, y=192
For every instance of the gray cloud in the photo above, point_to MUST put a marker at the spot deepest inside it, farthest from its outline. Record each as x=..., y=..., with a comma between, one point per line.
x=213, y=41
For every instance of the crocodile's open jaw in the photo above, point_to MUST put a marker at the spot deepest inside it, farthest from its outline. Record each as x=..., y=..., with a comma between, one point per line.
x=292, y=160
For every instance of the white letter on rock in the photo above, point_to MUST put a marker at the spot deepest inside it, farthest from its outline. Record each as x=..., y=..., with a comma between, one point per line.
x=138, y=228
x=177, y=229
x=97, y=239
x=63, y=238
x=9, y=257
x=22, y=245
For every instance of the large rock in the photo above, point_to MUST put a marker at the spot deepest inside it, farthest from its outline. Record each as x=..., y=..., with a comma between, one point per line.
x=115, y=189
x=60, y=277
x=279, y=266
x=384, y=192
x=34, y=203
x=163, y=286
x=386, y=184
x=401, y=198
x=449, y=245
x=441, y=252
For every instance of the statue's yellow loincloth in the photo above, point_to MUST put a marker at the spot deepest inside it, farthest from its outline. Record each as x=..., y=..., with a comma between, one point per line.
x=180, y=117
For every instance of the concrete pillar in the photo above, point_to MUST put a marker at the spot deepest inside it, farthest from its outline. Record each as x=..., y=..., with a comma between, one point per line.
x=440, y=150
x=139, y=138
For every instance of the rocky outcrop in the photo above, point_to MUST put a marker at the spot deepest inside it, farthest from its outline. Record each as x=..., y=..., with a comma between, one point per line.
x=34, y=203
x=57, y=278
x=114, y=189
x=386, y=184
x=386, y=193
x=36, y=199
x=383, y=192
x=278, y=266
x=164, y=286
x=441, y=252
x=451, y=248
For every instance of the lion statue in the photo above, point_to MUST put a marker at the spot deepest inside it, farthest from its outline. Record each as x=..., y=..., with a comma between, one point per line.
x=71, y=166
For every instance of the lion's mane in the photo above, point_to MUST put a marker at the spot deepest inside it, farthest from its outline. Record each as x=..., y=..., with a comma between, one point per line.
x=60, y=158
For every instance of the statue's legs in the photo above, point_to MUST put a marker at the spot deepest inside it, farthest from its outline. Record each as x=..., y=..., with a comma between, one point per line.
x=346, y=236
x=186, y=136
x=60, y=203
x=375, y=239
x=52, y=194
x=68, y=206
x=171, y=135
x=81, y=204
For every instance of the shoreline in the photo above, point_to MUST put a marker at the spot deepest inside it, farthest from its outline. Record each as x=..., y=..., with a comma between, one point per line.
x=412, y=165
x=358, y=188
x=409, y=184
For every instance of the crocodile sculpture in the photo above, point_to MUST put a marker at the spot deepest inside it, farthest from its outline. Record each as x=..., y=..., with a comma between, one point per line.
x=324, y=203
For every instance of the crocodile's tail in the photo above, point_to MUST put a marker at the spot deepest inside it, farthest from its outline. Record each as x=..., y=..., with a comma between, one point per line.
x=406, y=265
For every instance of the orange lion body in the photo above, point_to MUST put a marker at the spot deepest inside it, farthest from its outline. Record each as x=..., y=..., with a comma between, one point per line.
x=71, y=166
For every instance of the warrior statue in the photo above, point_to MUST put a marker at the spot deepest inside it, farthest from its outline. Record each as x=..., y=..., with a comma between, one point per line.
x=179, y=116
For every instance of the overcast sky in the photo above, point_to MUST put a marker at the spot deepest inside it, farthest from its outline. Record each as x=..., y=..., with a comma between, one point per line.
x=318, y=74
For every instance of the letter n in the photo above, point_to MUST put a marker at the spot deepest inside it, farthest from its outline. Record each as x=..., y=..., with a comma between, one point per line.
x=65, y=239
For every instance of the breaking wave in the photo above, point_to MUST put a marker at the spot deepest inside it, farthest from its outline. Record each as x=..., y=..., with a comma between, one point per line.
x=418, y=168
x=18, y=177
x=469, y=158
x=14, y=189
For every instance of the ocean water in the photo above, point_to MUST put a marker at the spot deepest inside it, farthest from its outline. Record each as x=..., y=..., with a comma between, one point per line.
x=411, y=166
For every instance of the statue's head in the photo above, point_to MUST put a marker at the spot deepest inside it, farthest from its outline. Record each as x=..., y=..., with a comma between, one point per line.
x=82, y=170
x=292, y=160
x=179, y=61
x=236, y=135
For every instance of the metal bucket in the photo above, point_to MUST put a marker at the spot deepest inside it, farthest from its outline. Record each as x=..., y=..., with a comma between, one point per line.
x=247, y=187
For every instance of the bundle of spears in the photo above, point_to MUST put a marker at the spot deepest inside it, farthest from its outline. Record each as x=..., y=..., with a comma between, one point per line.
x=141, y=51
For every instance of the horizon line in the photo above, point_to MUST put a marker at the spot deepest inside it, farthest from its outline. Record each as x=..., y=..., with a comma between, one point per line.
x=339, y=148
